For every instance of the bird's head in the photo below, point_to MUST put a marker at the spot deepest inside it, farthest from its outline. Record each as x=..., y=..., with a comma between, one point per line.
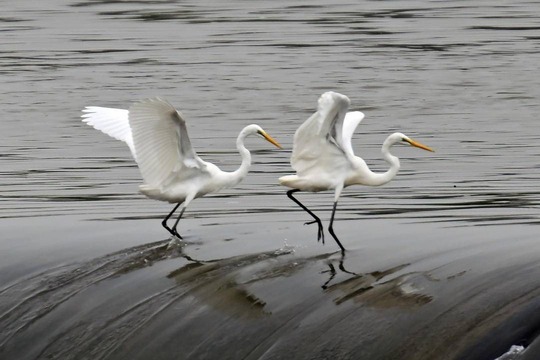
x=257, y=130
x=399, y=137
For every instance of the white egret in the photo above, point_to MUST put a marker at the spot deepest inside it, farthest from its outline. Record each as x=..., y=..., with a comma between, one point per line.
x=323, y=157
x=157, y=136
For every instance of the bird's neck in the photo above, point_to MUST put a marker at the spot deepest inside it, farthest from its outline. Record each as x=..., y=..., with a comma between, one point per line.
x=377, y=179
x=239, y=174
x=392, y=160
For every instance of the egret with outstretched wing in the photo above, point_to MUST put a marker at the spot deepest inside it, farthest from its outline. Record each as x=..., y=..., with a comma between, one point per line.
x=323, y=157
x=157, y=136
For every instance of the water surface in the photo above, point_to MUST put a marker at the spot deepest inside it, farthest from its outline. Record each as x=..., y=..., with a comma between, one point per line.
x=441, y=263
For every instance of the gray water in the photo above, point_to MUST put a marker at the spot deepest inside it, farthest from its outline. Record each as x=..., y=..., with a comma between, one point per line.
x=442, y=263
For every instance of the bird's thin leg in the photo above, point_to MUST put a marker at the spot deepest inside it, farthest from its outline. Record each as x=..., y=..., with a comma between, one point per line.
x=331, y=228
x=164, y=222
x=320, y=234
x=177, y=221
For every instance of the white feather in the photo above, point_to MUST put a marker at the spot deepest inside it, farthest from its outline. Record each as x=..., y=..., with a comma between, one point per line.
x=113, y=122
x=350, y=123
x=319, y=139
x=162, y=142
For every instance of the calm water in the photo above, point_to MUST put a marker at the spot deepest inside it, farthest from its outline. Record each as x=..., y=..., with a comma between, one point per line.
x=443, y=262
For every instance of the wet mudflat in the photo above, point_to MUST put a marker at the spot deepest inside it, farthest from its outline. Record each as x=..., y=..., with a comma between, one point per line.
x=442, y=263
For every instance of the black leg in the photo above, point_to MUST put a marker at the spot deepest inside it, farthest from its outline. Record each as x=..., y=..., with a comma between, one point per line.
x=320, y=234
x=164, y=222
x=176, y=223
x=331, y=228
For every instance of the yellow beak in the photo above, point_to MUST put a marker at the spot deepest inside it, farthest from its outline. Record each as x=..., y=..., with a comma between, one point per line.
x=270, y=139
x=419, y=145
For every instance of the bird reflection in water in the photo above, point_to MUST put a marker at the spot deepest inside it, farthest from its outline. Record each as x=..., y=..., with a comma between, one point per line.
x=402, y=291
x=332, y=269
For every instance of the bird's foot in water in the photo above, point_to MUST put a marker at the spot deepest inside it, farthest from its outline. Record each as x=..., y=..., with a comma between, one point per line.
x=175, y=243
x=175, y=233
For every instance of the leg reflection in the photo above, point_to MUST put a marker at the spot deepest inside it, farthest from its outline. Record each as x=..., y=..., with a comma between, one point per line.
x=333, y=272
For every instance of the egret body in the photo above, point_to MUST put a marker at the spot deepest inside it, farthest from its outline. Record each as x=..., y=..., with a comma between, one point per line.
x=157, y=136
x=323, y=157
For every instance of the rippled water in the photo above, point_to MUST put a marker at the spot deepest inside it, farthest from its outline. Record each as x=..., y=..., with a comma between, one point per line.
x=448, y=250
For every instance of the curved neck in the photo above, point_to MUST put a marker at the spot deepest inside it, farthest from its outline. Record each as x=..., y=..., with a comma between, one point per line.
x=377, y=179
x=236, y=176
x=392, y=160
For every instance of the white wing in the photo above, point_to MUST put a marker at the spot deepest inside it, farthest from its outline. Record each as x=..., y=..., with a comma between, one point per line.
x=113, y=122
x=162, y=143
x=318, y=141
x=352, y=119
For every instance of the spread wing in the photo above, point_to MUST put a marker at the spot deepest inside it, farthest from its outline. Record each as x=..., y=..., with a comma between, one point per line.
x=351, y=121
x=318, y=141
x=113, y=122
x=162, y=143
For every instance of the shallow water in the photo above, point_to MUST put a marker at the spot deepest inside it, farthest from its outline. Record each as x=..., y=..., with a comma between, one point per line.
x=442, y=262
